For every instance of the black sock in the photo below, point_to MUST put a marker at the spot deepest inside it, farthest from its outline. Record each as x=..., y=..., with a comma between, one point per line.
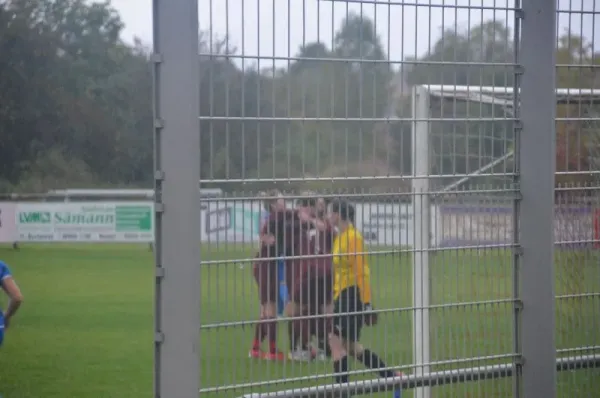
x=372, y=361
x=340, y=368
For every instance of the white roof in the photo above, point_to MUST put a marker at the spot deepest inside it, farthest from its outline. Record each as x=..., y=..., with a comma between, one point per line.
x=504, y=94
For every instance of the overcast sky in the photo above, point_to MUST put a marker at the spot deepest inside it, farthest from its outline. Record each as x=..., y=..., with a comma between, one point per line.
x=280, y=27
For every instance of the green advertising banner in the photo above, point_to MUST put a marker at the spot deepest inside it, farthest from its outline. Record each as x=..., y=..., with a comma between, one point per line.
x=85, y=222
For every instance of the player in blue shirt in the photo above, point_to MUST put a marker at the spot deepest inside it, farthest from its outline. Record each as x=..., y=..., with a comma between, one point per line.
x=8, y=284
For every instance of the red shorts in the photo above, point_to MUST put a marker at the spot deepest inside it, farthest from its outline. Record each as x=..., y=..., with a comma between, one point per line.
x=266, y=276
x=294, y=270
x=314, y=289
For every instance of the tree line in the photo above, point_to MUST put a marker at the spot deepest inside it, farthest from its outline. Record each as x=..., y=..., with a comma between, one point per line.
x=76, y=103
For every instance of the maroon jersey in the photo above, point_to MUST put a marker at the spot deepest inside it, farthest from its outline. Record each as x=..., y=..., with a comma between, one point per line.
x=284, y=226
x=319, y=243
x=265, y=267
x=314, y=287
x=266, y=250
x=302, y=246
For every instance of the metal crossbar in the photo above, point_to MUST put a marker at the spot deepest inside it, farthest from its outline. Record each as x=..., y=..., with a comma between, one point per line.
x=440, y=378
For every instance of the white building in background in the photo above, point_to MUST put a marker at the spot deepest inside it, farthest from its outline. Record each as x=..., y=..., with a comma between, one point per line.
x=127, y=194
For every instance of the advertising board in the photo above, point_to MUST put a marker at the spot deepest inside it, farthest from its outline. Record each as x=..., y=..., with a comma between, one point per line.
x=220, y=221
x=7, y=222
x=84, y=222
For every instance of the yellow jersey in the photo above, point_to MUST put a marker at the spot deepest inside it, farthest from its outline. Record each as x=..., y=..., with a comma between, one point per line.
x=350, y=266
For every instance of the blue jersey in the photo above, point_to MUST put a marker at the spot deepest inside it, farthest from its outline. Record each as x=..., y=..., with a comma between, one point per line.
x=4, y=273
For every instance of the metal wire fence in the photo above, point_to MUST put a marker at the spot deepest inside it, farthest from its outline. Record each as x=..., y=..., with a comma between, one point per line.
x=483, y=288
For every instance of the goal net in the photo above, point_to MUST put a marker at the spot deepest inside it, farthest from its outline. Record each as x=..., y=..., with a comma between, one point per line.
x=471, y=133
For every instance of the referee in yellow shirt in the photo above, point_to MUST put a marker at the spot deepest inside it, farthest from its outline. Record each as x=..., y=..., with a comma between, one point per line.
x=352, y=297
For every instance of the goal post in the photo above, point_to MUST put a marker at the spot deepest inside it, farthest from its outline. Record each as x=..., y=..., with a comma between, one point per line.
x=422, y=240
x=430, y=180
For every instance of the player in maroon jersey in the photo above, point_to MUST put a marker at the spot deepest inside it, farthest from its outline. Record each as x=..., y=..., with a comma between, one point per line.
x=312, y=289
x=320, y=287
x=296, y=269
x=265, y=272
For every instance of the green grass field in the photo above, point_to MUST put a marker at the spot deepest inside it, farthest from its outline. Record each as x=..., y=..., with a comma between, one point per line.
x=85, y=329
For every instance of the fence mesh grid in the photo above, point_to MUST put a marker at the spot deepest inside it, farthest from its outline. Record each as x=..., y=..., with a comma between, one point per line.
x=414, y=112
x=315, y=96
x=419, y=113
x=576, y=255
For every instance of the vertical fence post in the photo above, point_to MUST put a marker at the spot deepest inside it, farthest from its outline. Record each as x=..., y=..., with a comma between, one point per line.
x=177, y=201
x=422, y=238
x=537, y=167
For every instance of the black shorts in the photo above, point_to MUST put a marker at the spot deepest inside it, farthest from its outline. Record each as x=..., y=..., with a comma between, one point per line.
x=346, y=325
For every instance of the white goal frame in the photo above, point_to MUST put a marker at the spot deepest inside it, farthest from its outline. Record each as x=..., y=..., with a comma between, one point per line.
x=422, y=198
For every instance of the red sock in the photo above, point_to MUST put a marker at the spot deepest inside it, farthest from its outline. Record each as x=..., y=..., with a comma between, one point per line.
x=271, y=327
x=259, y=335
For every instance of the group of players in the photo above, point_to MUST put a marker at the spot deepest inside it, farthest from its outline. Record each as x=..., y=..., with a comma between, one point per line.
x=303, y=238
x=327, y=276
